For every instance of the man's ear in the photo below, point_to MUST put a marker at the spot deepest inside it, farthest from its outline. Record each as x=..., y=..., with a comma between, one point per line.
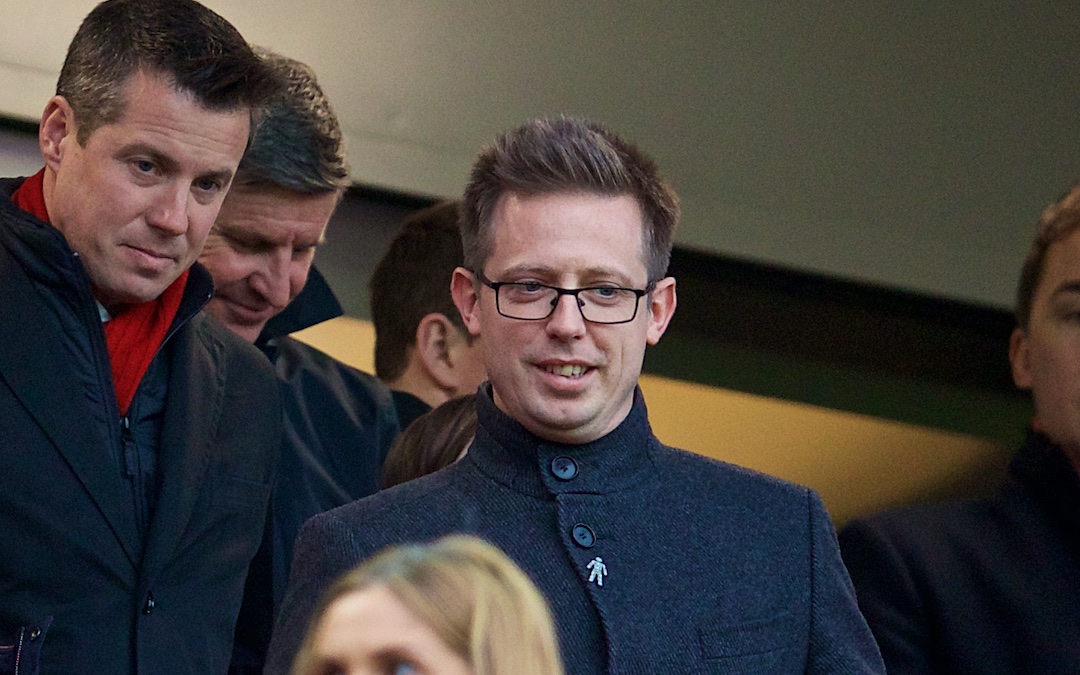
x=433, y=335
x=1020, y=358
x=661, y=307
x=463, y=289
x=56, y=131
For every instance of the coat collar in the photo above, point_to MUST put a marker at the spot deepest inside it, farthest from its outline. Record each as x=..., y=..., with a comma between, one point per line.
x=508, y=453
x=315, y=303
x=1043, y=470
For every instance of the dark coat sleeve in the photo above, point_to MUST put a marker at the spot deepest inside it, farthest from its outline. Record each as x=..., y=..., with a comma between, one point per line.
x=325, y=549
x=888, y=597
x=840, y=640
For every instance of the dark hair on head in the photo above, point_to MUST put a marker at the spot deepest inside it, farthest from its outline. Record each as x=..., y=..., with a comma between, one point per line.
x=411, y=281
x=1058, y=221
x=299, y=145
x=546, y=156
x=432, y=441
x=202, y=53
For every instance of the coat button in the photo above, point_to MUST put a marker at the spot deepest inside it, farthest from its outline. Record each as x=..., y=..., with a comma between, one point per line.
x=148, y=606
x=35, y=634
x=564, y=468
x=583, y=536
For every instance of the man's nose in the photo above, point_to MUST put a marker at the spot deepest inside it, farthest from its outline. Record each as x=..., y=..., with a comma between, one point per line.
x=169, y=212
x=272, y=279
x=566, y=320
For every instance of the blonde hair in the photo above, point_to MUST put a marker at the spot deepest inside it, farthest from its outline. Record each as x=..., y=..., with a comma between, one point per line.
x=475, y=599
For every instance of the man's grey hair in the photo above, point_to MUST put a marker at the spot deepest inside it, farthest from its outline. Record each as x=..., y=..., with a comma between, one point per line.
x=299, y=145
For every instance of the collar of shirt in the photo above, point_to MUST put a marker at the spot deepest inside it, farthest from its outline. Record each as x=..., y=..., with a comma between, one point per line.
x=511, y=455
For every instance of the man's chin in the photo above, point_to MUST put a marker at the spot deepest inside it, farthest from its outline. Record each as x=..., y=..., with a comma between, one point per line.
x=233, y=319
x=115, y=300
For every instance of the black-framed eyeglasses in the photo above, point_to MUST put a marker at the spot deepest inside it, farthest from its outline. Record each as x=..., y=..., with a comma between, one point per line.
x=530, y=301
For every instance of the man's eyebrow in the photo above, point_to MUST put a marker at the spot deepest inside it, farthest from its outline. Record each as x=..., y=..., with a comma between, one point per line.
x=244, y=235
x=544, y=270
x=159, y=158
x=222, y=176
x=1069, y=287
x=170, y=165
x=257, y=238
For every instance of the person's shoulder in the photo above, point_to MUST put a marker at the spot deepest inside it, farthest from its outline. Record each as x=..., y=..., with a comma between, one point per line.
x=921, y=520
x=934, y=531
x=425, y=500
x=297, y=360
x=415, y=511
x=698, y=471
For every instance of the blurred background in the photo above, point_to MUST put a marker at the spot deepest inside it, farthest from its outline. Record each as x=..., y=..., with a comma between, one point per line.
x=859, y=182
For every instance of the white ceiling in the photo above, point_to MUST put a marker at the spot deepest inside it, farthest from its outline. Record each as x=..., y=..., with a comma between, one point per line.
x=909, y=144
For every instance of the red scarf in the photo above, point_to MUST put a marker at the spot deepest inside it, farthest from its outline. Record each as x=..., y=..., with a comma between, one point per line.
x=134, y=334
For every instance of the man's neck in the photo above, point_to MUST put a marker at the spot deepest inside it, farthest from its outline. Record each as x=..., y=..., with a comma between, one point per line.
x=422, y=388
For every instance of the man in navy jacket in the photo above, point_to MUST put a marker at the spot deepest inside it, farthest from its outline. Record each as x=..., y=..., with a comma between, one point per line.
x=138, y=437
x=653, y=560
x=339, y=421
x=990, y=586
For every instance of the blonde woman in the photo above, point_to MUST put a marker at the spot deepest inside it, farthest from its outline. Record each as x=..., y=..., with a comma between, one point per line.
x=457, y=606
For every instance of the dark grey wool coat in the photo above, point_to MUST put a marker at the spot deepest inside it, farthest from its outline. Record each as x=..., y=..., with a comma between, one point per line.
x=710, y=568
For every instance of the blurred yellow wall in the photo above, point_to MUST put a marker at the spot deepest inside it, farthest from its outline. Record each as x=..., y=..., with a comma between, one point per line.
x=858, y=464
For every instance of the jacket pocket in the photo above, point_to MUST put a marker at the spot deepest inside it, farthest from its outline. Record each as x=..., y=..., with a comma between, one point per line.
x=238, y=494
x=20, y=652
x=759, y=646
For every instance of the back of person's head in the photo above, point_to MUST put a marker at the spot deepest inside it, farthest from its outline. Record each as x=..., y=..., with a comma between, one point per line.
x=411, y=281
x=299, y=145
x=469, y=593
x=202, y=53
x=1059, y=220
x=436, y=439
x=546, y=156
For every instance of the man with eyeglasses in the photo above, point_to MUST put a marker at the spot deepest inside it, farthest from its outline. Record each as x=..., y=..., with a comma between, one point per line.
x=653, y=560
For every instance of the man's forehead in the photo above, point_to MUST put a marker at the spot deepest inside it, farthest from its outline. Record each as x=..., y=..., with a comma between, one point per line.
x=272, y=213
x=133, y=88
x=170, y=124
x=519, y=197
x=526, y=220
x=1061, y=269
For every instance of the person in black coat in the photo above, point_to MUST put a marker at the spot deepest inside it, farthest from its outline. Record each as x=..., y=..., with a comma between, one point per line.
x=990, y=586
x=139, y=438
x=652, y=559
x=339, y=421
x=422, y=350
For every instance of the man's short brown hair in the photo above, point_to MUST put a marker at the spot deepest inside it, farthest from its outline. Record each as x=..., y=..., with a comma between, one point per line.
x=546, y=156
x=1058, y=221
x=202, y=53
x=411, y=281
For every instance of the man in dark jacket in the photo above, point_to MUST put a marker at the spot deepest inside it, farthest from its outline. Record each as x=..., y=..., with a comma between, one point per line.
x=339, y=422
x=991, y=586
x=422, y=350
x=139, y=438
x=653, y=560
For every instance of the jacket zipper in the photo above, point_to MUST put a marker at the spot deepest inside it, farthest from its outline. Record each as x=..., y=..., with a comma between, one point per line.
x=133, y=469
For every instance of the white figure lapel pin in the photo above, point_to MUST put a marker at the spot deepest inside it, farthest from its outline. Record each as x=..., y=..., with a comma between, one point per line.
x=597, y=571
